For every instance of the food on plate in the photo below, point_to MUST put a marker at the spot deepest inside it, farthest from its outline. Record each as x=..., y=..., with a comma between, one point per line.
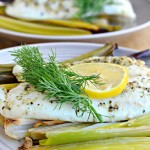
x=116, y=107
x=110, y=83
x=28, y=27
x=55, y=107
x=64, y=9
x=123, y=143
x=69, y=17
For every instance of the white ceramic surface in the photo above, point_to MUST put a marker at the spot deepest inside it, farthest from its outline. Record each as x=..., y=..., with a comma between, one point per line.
x=141, y=7
x=64, y=51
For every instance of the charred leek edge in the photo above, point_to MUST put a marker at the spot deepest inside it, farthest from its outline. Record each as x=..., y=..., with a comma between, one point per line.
x=122, y=143
x=7, y=77
x=75, y=136
x=2, y=120
x=110, y=28
x=33, y=28
x=73, y=24
x=48, y=123
x=9, y=86
x=106, y=50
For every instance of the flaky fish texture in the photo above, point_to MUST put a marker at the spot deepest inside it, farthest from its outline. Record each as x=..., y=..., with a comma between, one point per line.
x=64, y=9
x=25, y=102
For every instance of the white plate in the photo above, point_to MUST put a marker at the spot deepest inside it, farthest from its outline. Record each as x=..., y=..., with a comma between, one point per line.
x=141, y=7
x=64, y=51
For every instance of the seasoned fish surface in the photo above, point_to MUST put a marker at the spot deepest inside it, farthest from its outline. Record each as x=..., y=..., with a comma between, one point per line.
x=64, y=9
x=25, y=102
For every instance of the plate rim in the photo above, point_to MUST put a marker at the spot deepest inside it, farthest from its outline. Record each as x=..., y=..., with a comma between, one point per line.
x=122, y=48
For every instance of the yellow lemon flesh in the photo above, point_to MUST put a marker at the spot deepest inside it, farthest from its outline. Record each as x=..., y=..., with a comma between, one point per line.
x=114, y=77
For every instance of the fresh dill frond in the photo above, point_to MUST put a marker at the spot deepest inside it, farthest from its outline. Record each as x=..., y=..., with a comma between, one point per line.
x=55, y=80
x=89, y=9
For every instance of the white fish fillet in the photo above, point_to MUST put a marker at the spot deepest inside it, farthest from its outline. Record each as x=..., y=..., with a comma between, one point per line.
x=16, y=128
x=25, y=102
x=63, y=9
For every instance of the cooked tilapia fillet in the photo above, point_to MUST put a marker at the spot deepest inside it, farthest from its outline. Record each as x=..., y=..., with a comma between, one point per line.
x=64, y=9
x=25, y=102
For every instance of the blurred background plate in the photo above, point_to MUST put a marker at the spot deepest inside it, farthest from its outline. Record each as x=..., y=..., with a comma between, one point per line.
x=64, y=51
x=141, y=7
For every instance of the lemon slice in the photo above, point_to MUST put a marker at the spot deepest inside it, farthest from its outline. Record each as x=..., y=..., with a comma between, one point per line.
x=114, y=77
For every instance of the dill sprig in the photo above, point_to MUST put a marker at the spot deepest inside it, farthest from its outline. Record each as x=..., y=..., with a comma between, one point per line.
x=91, y=8
x=56, y=81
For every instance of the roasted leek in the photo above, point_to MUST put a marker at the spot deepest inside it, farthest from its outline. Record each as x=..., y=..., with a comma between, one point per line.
x=40, y=132
x=2, y=10
x=9, y=86
x=73, y=24
x=7, y=78
x=33, y=28
x=72, y=136
x=123, y=143
x=6, y=67
x=106, y=50
x=140, y=121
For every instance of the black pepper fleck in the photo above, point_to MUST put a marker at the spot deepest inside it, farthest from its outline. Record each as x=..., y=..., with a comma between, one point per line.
x=27, y=87
x=110, y=109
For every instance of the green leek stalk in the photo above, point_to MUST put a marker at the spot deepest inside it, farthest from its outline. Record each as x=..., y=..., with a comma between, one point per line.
x=40, y=132
x=106, y=50
x=140, y=121
x=122, y=143
x=84, y=135
x=33, y=28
